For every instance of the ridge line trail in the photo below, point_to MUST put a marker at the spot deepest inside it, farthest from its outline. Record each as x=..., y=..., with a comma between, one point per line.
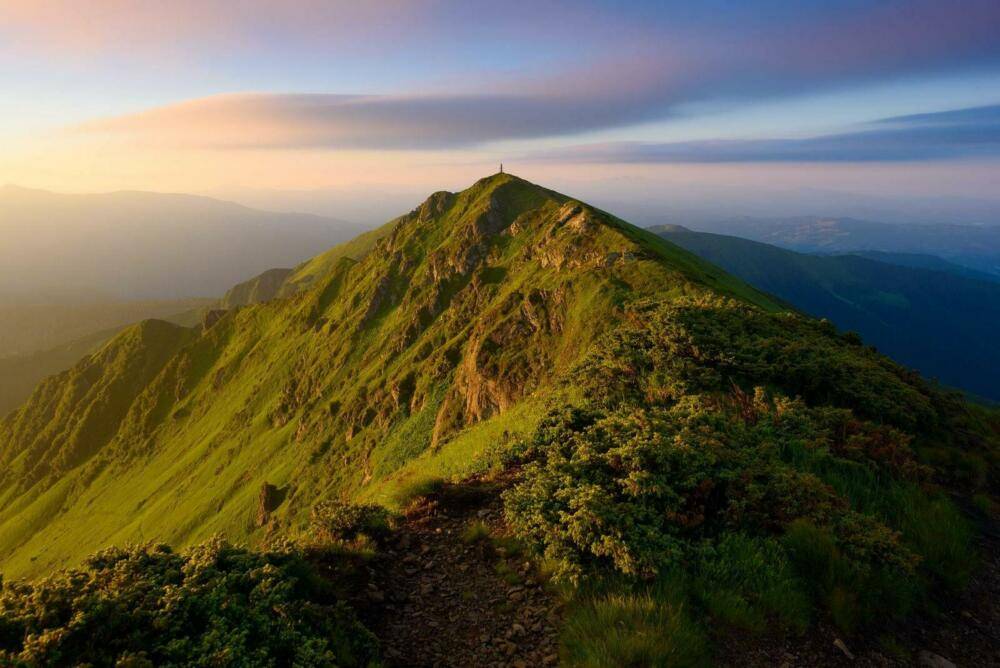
x=459, y=597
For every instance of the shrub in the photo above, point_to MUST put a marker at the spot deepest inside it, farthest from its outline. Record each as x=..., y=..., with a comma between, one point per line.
x=416, y=489
x=336, y=521
x=853, y=591
x=214, y=604
x=476, y=532
x=635, y=491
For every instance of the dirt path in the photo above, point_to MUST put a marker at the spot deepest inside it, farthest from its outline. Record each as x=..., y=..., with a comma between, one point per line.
x=453, y=599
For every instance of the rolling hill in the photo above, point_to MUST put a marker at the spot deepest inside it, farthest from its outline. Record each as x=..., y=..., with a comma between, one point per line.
x=38, y=324
x=637, y=419
x=923, y=261
x=938, y=322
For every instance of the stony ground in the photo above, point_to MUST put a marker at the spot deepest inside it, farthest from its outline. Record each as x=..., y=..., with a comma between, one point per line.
x=454, y=599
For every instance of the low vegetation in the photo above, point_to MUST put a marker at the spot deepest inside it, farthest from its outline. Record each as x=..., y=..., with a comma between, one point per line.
x=214, y=604
x=751, y=508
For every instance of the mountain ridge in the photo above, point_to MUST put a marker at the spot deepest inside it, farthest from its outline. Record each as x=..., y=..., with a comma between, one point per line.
x=421, y=332
x=973, y=246
x=504, y=385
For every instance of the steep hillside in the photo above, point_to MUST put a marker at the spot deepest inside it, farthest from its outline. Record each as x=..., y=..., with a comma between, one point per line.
x=937, y=322
x=574, y=400
x=468, y=306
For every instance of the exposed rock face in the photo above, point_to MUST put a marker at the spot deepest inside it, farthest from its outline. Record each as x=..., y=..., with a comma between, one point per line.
x=573, y=242
x=504, y=355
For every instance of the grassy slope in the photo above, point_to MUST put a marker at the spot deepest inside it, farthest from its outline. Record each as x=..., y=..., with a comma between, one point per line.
x=397, y=363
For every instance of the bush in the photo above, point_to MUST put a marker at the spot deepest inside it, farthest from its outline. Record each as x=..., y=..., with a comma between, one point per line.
x=853, y=592
x=214, y=604
x=637, y=491
x=336, y=521
x=416, y=489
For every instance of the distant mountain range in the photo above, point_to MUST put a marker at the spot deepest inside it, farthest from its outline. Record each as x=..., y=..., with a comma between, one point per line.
x=973, y=246
x=934, y=317
x=141, y=245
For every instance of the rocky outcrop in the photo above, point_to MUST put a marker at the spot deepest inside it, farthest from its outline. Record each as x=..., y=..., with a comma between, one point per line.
x=574, y=241
x=505, y=355
x=268, y=500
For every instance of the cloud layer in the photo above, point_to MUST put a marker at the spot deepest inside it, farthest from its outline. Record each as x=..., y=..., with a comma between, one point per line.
x=962, y=133
x=660, y=72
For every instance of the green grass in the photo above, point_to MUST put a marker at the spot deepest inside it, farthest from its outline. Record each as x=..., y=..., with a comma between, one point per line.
x=747, y=583
x=476, y=532
x=633, y=629
x=415, y=490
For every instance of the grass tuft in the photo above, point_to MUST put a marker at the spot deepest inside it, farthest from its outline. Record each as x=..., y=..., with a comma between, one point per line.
x=632, y=629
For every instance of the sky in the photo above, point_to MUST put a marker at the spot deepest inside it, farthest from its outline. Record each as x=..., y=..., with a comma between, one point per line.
x=346, y=108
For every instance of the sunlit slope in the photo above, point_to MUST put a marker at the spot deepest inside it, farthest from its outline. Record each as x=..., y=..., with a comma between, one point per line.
x=404, y=356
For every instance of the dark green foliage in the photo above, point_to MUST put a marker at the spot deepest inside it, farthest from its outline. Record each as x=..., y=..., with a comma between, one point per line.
x=709, y=344
x=852, y=591
x=746, y=582
x=213, y=605
x=635, y=490
x=668, y=351
x=762, y=503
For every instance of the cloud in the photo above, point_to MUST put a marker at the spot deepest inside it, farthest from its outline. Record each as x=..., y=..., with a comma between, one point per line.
x=135, y=27
x=356, y=121
x=649, y=68
x=960, y=133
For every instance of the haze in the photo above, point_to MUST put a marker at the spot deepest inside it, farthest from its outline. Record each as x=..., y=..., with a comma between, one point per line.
x=885, y=109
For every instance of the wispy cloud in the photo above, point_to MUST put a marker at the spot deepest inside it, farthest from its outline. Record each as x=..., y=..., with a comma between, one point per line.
x=655, y=75
x=960, y=133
